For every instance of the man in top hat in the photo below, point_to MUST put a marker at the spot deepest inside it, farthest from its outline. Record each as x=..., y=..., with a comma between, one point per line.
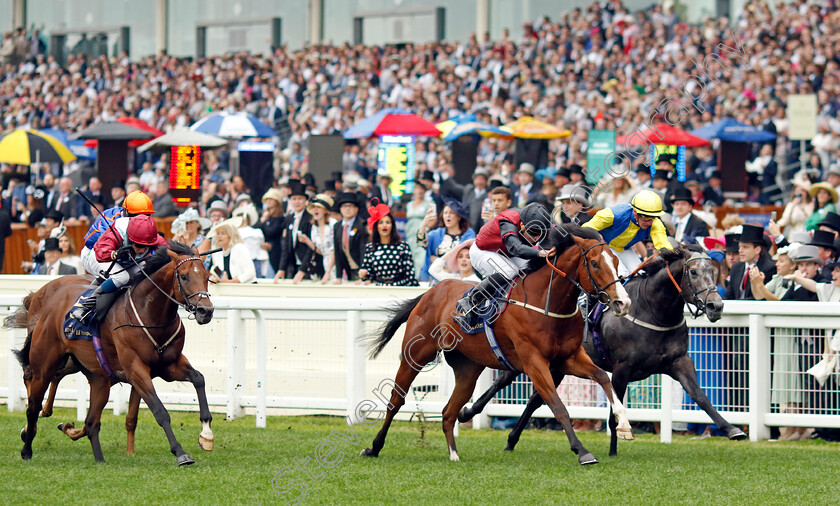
x=713, y=193
x=52, y=264
x=297, y=222
x=271, y=224
x=527, y=187
x=350, y=236
x=826, y=250
x=832, y=177
x=688, y=227
x=427, y=178
x=661, y=178
x=752, y=250
x=330, y=188
x=574, y=201
x=643, y=180
x=808, y=265
x=576, y=174
x=471, y=195
x=562, y=177
x=731, y=254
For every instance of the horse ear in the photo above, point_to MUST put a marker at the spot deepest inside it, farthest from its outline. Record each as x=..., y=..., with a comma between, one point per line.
x=194, y=250
x=172, y=255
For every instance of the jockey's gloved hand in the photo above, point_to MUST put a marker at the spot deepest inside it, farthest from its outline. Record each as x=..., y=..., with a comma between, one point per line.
x=124, y=255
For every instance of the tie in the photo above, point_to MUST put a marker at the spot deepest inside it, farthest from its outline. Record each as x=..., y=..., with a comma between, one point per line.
x=680, y=230
x=345, y=241
x=294, y=231
x=746, y=278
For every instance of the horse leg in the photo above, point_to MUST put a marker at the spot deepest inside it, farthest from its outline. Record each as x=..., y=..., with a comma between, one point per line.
x=182, y=370
x=504, y=379
x=619, y=384
x=683, y=371
x=100, y=390
x=466, y=374
x=37, y=386
x=131, y=419
x=536, y=367
x=533, y=404
x=138, y=375
x=421, y=353
x=47, y=410
x=581, y=365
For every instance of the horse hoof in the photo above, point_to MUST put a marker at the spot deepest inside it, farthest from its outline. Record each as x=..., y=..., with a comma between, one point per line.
x=45, y=414
x=625, y=434
x=185, y=460
x=64, y=427
x=367, y=452
x=508, y=448
x=587, y=458
x=26, y=455
x=737, y=435
x=464, y=415
x=205, y=444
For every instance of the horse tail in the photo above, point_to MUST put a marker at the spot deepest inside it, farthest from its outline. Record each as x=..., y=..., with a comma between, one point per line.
x=19, y=320
x=399, y=315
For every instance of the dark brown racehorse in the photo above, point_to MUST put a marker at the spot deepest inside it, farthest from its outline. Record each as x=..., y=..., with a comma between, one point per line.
x=532, y=341
x=142, y=337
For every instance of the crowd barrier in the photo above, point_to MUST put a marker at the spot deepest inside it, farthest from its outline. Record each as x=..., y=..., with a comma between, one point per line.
x=273, y=349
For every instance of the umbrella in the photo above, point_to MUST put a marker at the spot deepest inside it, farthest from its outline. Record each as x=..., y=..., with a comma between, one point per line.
x=670, y=135
x=465, y=125
x=25, y=147
x=729, y=129
x=113, y=131
x=132, y=122
x=182, y=138
x=234, y=126
x=528, y=127
x=77, y=147
x=392, y=121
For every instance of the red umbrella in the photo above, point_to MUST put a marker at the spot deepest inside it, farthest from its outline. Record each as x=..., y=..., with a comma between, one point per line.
x=392, y=121
x=662, y=133
x=133, y=122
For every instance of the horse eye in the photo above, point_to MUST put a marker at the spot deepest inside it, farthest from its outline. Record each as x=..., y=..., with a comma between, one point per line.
x=184, y=277
x=595, y=264
x=693, y=272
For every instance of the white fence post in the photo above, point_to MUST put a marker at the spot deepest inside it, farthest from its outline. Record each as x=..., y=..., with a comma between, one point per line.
x=356, y=364
x=261, y=369
x=236, y=363
x=485, y=380
x=666, y=426
x=759, y=378
x=17, y=392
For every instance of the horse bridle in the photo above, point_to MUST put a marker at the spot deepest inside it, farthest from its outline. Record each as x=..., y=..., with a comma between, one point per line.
x=601, y=292
x=187, y=305
x=698, y=302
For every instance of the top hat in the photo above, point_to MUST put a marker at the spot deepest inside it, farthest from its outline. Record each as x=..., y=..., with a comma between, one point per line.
x=427, y=175
x=574, y=192
x=329, y=185
x=54, y=215
x=823, y=238
x=752, y=234
x=682, y=193
x=575, y=169
x=526, y=167
x=346, y=198
x=732, y=241
x=715, y=174
x=832, y=221
x=495, y=183
x=662, y=174
x=336, y=175
x=562, y=171
x=297, y=189
x=51, y=244
x=807, y=253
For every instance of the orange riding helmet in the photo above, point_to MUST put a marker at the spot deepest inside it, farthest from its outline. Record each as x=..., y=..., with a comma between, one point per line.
x=138, y=202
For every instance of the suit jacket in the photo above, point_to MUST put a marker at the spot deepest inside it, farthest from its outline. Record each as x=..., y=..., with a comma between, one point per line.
x=67, y=207
x=694, y=228
x=292, y=252
x=357, y=241
x=383, y=194
x=467, y=195
x=514, y=192
x=582, y=217
x=62, y=269
x=710, y=195
x=736, y=275
x=273, y=232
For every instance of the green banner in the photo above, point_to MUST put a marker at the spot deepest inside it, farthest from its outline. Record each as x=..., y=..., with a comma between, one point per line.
x=600, y=145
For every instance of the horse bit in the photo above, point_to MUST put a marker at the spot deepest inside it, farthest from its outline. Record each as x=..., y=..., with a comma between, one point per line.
x=699, y=302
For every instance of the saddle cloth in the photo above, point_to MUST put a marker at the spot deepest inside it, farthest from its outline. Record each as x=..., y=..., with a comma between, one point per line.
x=475, y=321
x=76, y=330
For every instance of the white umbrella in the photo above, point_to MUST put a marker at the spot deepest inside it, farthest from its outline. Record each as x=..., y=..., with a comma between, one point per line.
x=182, y=138
x=234, y=126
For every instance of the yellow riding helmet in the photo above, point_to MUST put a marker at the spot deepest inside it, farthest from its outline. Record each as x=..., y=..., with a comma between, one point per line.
x=648, y=203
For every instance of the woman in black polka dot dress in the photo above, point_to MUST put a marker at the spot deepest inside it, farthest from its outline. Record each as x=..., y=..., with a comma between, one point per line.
x=388, y=260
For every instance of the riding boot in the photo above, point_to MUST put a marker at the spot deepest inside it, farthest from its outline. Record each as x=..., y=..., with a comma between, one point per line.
x=85, y=307
x=481, y=293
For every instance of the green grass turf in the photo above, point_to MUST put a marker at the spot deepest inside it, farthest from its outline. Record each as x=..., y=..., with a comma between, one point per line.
x=411, y=468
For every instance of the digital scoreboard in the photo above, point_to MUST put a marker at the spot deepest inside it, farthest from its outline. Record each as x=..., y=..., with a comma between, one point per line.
x=674, y=154
x=396, y=158
x=184, y=174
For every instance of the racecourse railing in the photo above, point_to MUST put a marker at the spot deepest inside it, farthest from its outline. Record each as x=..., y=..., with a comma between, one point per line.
x=283, y=349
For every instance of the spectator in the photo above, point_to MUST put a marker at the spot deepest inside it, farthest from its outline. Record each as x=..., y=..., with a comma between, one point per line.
x=162, y=201
x=455, y=264
x=713, y=194
x=271, y=224
x=526, y=188
x=5, y=232
x=688, y=226
x=753, y=253
x=500, y=200
x=297, y=223
x=93, y=191
x=233, y=264
x=415, y=213
x=471, y=195
x=188, y=228
x=349, y=236
x=387, y=260
x=52, y=260
x=68, y=254
x=573, y=201
x=452, y=228
x=65, y=201
x=319, y=261
x=825, y=198
x=621, y=193
x=797, y=211
x=253, y=239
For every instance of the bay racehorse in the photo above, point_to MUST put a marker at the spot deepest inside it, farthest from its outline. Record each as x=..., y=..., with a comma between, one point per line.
x=142, y=337
x=653, y=339
x=540, y=329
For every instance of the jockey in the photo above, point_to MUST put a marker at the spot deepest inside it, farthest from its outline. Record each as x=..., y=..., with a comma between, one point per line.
x=502, y=249
x=136, y=203
x=624, y=225
x=140, y=240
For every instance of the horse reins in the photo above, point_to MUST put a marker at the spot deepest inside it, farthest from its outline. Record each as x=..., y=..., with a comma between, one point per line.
x=698, y=302
x=597, y=288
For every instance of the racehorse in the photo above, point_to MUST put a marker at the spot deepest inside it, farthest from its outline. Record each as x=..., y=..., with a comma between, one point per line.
x=632, y=348
x=528, y=332
x=142, y=337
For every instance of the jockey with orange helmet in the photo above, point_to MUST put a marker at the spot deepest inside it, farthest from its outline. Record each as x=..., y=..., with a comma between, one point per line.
x=135, y=203
x=139, y=240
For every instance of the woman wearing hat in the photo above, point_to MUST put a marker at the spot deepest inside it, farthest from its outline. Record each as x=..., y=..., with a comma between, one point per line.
x=188, y=228
x=253, y=239
x=456, y=264
x=319, y=262
x=233, y=264
x=387, y=260
x=825, y=199
x=797, y=211
x=453, y=227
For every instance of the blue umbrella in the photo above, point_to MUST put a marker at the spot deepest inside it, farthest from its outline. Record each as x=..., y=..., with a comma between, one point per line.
x=467, y=124
x=237, y=126
x=76, y=147
x=728, y=129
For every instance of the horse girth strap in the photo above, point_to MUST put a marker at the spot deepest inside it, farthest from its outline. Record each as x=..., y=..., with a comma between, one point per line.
x=146, y=331
x=650, y=326
x=543, y=311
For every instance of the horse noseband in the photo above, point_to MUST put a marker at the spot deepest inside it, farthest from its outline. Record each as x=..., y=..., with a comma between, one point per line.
x=203, y=294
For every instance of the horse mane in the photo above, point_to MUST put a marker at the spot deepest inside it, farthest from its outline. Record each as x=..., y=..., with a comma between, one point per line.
x=160, y=258
x=671, y=256
x=561, y=238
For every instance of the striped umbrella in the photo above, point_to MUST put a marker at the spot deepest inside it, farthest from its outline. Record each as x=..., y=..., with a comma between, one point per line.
x=25, y=147
x=468, y=125
x=233, y=126
x=528, y=127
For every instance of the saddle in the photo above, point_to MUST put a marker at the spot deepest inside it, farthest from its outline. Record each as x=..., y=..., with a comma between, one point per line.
x=476, y=321
x=75, y=330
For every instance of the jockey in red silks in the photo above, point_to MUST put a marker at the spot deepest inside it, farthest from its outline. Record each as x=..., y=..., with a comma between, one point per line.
x=503, y=248
x=140, y=240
